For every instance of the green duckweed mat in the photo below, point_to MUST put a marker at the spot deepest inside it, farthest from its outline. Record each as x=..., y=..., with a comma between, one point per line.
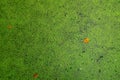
x=45, y=37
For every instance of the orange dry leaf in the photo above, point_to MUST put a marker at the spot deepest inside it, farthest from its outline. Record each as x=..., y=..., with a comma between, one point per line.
x=86, y=40
x=35, y=75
